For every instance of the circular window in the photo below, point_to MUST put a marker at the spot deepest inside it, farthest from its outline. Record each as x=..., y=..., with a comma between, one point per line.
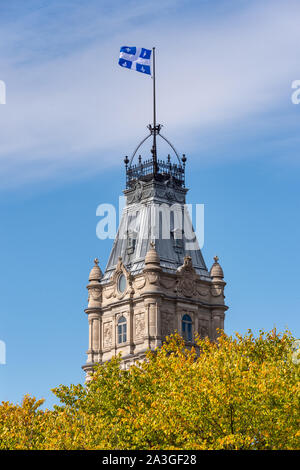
x=122, y=283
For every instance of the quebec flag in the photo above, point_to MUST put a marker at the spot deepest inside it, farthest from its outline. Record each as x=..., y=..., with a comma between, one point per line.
x=135, y=58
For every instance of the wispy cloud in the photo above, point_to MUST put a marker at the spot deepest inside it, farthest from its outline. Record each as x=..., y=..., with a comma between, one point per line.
x=70, y=108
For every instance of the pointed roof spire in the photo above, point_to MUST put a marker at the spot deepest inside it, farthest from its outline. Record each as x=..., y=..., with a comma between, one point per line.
x=216, y=271
x=96, y=273
x=152, y=256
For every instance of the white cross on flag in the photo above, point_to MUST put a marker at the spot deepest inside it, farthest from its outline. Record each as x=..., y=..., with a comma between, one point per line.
x=135, y=58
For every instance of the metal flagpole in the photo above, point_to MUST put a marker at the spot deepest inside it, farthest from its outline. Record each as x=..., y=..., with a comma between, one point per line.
x=154, y=115
x=154, y=103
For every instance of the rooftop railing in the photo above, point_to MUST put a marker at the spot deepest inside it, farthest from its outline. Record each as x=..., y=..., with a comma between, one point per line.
x=161, y=170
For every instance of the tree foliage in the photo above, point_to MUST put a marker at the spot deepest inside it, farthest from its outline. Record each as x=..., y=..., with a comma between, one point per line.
x=236, y=393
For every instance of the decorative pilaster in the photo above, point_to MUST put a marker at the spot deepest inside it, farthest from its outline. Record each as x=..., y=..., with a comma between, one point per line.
x=152, y=273
x=217, y=292
x=94, y=313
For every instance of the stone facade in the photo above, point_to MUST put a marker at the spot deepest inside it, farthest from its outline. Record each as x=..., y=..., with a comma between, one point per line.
x=153, y=304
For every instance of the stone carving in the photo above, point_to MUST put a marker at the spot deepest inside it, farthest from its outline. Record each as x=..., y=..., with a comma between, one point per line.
x=168, y=283
x=186, y=286
x=95, y=293
x=216, y=291
x=122, y=314
x=139, y=325
x=137, y=193
x=169, y=191
x=147, y=194
x=108, y=292
x=171, y=195
x=187, y=279
x=107, y=334
x=140, y=283
x=113, y=285
x=152, y=277
x=203, y=291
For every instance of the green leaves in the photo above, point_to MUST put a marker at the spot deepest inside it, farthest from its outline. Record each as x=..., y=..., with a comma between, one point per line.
x=239, y=393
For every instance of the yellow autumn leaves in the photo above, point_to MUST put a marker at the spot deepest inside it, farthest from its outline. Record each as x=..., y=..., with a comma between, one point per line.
x=241, y=392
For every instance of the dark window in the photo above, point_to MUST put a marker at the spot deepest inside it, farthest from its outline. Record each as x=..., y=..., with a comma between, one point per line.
x=131, y=242
x=122, y=330
x=187, y=327
x=130, y=245
x=177, y=236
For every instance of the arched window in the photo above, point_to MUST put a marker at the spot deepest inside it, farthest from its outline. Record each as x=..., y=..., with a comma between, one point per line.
x=122, y=283
x=186, y=327
x=122, y=330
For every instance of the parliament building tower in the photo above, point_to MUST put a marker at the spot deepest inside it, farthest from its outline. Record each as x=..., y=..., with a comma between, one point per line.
x=156, y=281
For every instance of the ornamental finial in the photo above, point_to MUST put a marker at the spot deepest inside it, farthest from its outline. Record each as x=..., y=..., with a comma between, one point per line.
x=216, y=258
x=96, y=261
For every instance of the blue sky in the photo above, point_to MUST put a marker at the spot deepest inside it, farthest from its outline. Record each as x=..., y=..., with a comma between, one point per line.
x=224, y=74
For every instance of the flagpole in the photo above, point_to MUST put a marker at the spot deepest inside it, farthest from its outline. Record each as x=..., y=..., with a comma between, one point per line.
x=154, y=97
x=154, y=115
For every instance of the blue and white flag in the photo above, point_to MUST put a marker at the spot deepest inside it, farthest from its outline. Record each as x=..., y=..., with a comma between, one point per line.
x=135, y=58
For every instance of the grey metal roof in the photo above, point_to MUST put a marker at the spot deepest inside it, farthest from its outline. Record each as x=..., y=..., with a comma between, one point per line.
x=155, y=211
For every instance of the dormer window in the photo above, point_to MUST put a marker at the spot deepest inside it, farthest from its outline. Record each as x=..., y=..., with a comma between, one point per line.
x=177, y=236
x=131, y=242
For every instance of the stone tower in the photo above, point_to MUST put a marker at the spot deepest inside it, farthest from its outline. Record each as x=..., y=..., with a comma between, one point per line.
x=156, y=280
